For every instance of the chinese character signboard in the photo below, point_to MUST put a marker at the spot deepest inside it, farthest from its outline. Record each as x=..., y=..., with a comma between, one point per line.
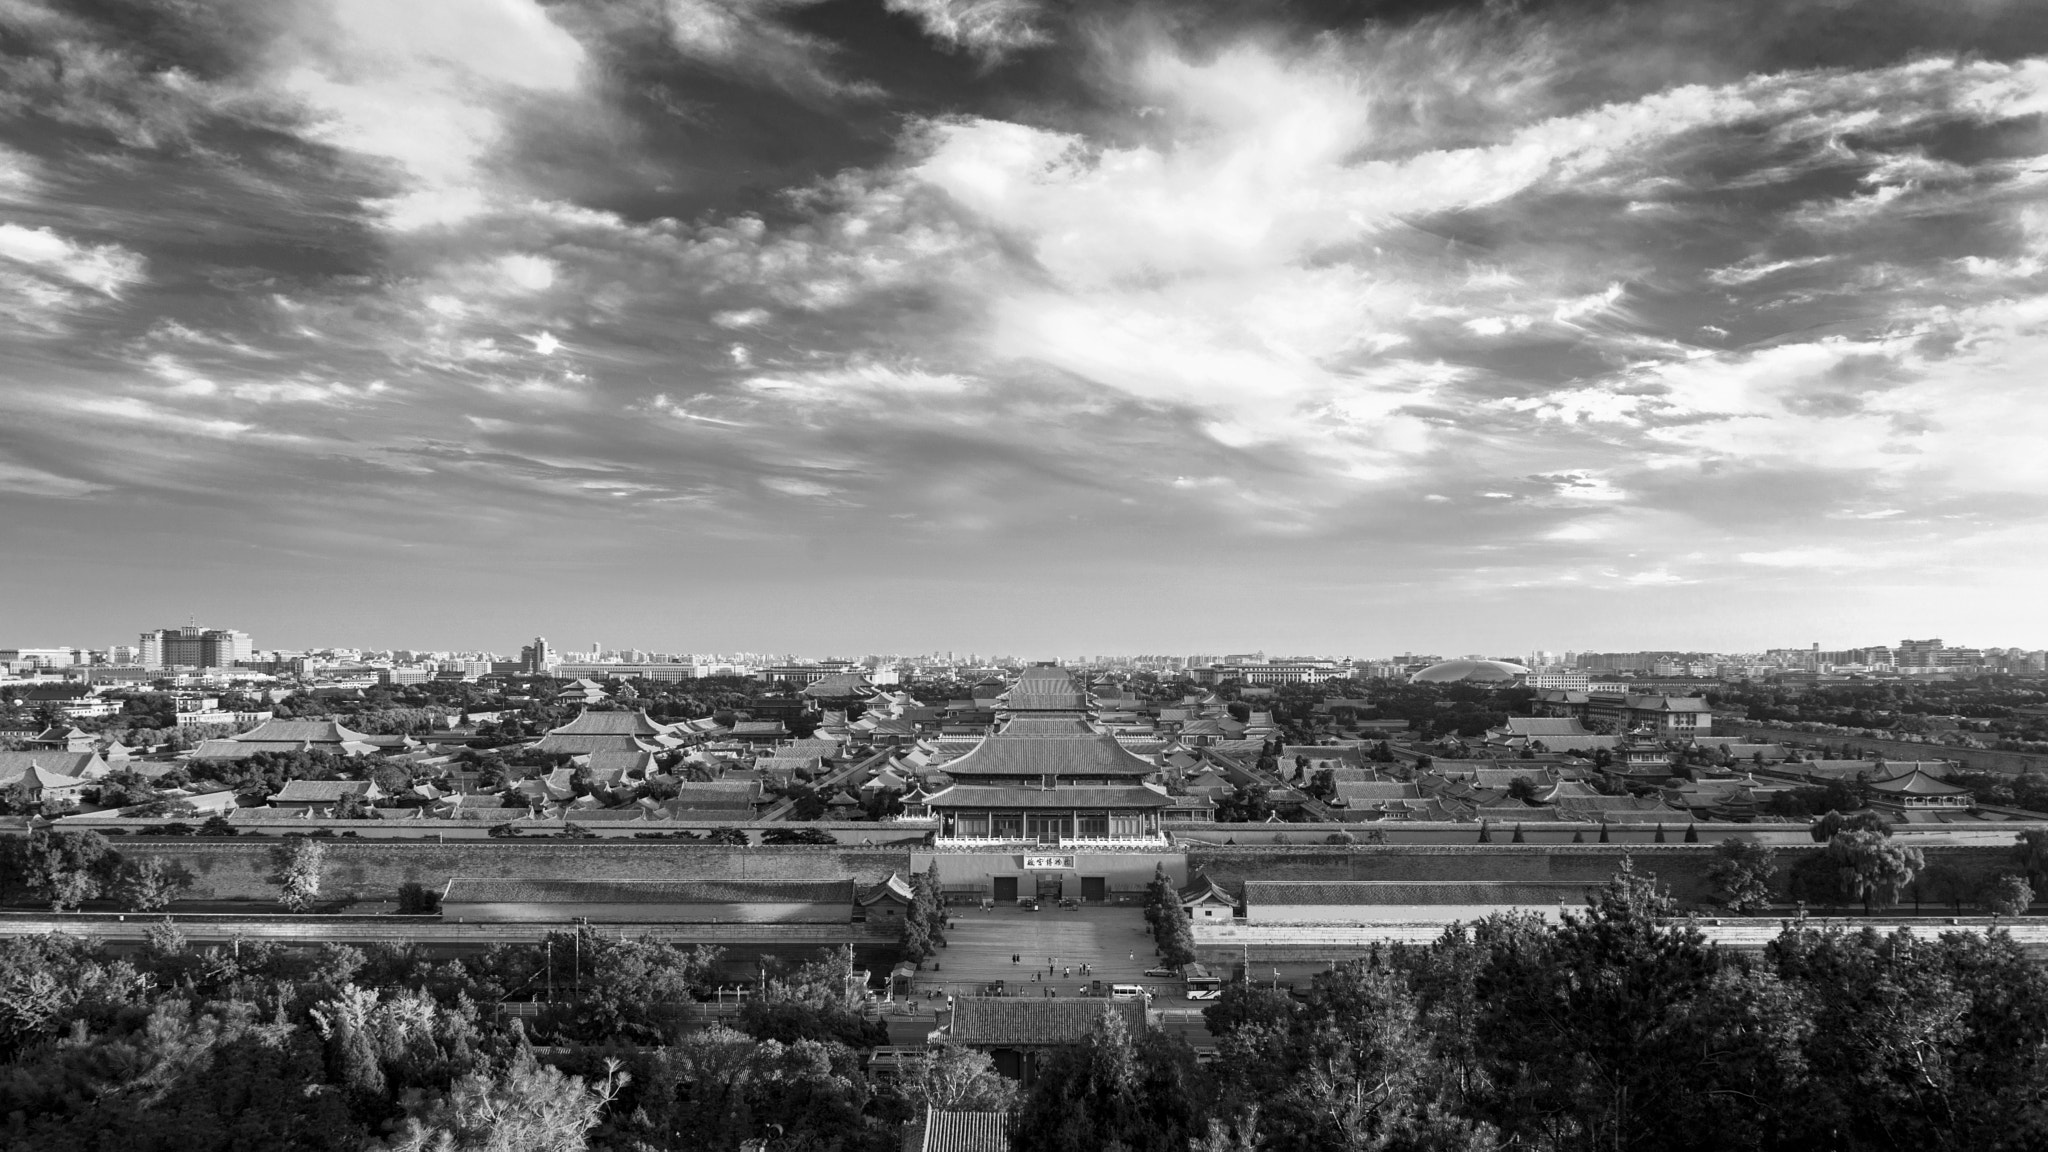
x=1048, y=863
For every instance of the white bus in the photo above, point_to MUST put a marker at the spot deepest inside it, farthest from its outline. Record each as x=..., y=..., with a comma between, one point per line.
x=1202, y=983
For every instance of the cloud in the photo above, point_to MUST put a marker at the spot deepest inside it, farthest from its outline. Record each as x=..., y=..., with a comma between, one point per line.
x=1753, y=269
x=1818, y=557
x=47, y=279
x=25, y=480
x=991, y=29
x=133, y=409
x=103, y=268
x=740, y=318
x=752, y=38
x=429, y=87
x=1462, y=301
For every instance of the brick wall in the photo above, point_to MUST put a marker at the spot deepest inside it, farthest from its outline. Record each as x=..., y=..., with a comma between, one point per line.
x=373, y=870
x=1680, y=867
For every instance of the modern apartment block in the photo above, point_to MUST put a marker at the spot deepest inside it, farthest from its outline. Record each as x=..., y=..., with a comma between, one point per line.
x=194, y=647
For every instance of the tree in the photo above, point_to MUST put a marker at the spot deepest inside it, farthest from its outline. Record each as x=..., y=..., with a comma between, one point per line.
x=1864, y=820
x=1111, y=1092
x=149, y=884
x=953, y=1078
x=1871, y=866
x=1161, y=900
x=415, y=899
x=798, y=836
x=297, y=872
x=529, y=1108
x=65, y=869
x=1580, y=1024
x=2008, y=895
x=1177, y=941
x=1741, y=874
x=1522, y=788
x=2031, y=853
x=1246, y=804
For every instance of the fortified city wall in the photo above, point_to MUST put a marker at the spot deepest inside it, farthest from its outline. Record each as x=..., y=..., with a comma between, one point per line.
x=374, y=869
x=1680, y=867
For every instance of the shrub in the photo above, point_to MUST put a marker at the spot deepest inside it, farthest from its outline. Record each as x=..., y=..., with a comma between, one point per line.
x=417, y=900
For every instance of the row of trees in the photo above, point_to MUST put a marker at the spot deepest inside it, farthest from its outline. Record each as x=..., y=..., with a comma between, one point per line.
x=256, y=1046
x=1618, y=1028
x=1863, y=864
x=64, y=870
x=1168, y=921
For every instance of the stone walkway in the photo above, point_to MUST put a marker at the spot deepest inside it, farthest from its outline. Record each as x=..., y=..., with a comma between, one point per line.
x=980, y=944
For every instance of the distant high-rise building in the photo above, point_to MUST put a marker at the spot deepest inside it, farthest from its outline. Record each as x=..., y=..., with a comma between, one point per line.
x=537, y=658
x=1918, y=654
x=194, y=647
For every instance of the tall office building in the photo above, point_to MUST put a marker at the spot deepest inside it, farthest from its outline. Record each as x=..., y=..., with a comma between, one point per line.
x=1918, y=654
x=194, y=647
x=537, y=657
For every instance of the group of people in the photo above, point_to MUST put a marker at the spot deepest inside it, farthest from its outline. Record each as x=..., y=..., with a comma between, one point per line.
x=1052, y=966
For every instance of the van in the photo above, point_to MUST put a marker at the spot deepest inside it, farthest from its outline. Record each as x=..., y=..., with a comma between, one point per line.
x=1126, y=992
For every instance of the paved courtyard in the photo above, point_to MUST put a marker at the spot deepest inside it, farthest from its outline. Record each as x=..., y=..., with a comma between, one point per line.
x=1111, y=941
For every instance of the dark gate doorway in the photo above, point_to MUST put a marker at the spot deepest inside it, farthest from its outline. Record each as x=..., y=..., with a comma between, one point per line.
x=1094, y=887
x=1049, y=886
x=1006, y=889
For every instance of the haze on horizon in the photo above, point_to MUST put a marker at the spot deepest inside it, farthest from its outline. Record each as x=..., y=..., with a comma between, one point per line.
x=1019, y=326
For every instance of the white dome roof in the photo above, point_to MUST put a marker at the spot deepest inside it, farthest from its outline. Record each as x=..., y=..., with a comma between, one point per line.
x=1470, y=672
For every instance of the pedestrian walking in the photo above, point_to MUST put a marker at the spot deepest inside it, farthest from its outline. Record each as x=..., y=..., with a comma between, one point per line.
x=1068, y=973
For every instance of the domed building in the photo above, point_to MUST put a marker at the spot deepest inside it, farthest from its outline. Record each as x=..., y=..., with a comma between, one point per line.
x=1498, y=672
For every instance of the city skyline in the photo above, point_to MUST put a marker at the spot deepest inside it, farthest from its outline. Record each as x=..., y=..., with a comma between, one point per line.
x=236, y=646
x=830, y=327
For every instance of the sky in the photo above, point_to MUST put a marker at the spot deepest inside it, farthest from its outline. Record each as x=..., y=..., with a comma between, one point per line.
x=834, y=327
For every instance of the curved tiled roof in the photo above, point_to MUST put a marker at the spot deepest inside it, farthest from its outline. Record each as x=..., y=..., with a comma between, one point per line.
x=593, y=723
x=471, y=890
x=839, y=685
x=1915, y=783
x=1049, y=727
x=998, y=1021
x=1046, y=689
x=1003, y=755
x=1063, y=798
x=1260, y=894
x=944, y=1131
x=309, y=731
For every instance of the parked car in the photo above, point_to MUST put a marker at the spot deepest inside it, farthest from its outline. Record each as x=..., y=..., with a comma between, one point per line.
x=1161, y=973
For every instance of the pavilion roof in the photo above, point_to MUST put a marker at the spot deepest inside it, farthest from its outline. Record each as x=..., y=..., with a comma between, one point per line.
x=1035, y=756
x=590, y=722
x=1067, y=797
